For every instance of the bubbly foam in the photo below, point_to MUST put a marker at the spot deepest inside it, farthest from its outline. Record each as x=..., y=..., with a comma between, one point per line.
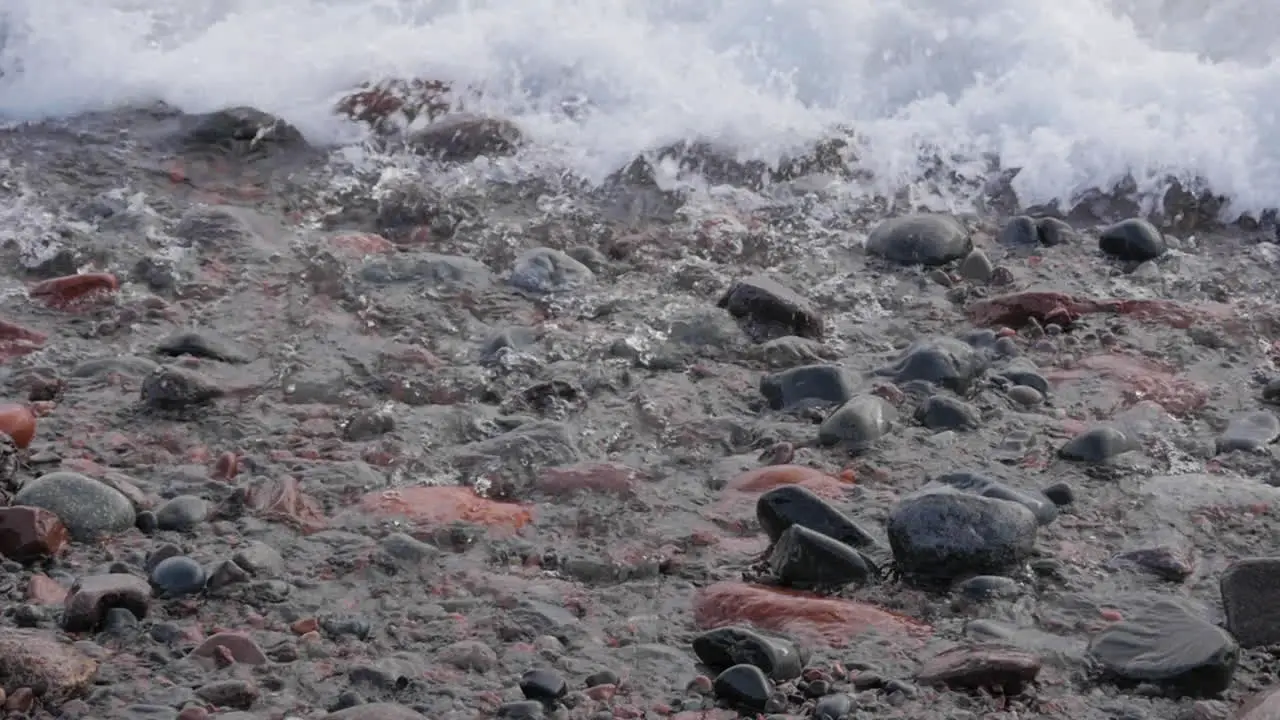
x=1079, y=93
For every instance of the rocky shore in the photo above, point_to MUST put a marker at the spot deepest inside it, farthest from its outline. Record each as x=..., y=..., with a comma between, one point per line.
x=291, y=435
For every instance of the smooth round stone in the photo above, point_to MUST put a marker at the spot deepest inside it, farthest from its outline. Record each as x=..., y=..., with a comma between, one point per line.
x=544, y=685
x=940, y=536
x=803, y=558
x=1250, y=432
x=178, y=576
x=769, y=303
x=1025, y=395
x=90, y=510
x=182, y=513
x=805, y=386
x=743, y=686
x=943, y=412
x=1134, y=240
x=1097, y=445
x=857, y=424
x=1030, y=378
x=722, y=648
x=787, y=505
x=920, y=239
x=1170, y=645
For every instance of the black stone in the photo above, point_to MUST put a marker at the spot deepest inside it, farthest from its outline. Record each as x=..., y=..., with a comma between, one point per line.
x=1045, y=510
x=943, y=361
x=773, y=310
x=1168, y=645
x=1060, y=494
x=806, y=386
x=805, y=558
x=1097, y=445
x=603, y=677
x=1027, y=231
x=1134, y=240
x=178, y=576
x=722, y=648
x=743, y=686
x=203, y=344
x=922, y=239
x=543, y=685
x=940, y=536
x=1251, y=597
x=782, y=507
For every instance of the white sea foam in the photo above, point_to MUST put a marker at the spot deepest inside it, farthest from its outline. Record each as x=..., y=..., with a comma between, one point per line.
x=1077, y=92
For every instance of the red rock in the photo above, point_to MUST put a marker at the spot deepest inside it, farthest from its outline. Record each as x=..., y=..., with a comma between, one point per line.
x=227, y=467
x=1140, y=379
x=29, y=533
x=18, y=422
x=764, y=479
x=361, y=244
x=91, y=597
x=238, y=647
x=602, y=693
x=44, y=590
x=597, y=477
x=304, y=626
x=828, y=620
x=981, y=667
x=444, y=505
x=282, y=498
x=62, y=291
x=1016, y=310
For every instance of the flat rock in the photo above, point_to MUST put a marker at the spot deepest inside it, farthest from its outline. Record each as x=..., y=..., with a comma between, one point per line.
x=36, y=659
x=90, y=510
x=857, y=424
x=771, y=310
x=943, y=361
x=987, y=666
x=807, y=386
x=1097, y=445
x=1169, y=645
x=787, y=505
x=940, y=536
x=1251, y=597
x=1134, y=240
x=722, y=648
x=1250, y=432
x=922, y=239
x=203, y=343
x=544, y=270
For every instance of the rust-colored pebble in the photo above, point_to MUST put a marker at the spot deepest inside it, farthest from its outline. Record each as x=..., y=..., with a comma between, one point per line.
x=227, y=466
x=69, y=288
x=304, y=626
x=18, y=422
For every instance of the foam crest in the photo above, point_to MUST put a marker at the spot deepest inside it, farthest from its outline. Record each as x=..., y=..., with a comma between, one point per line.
x=1079, y=93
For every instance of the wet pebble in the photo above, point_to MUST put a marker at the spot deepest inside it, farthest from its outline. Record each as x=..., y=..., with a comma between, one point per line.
x=1251, y=597
x=1170, y=645
x=943, y=412
x=943, y=361
x=722, y=648
x=1030, y=378
x=857, y=424
x=1025, y=231
x=981, y=667
x=920, y=239
x=836, y=706
x=543, y=685
x=90, y=510
x=1250, y=432
x=544, y=270
x=744, y=686
x=30, y=533
x=787, y=505
x=1045, y=510
x=1025, y=395
x=464, y=137
x=182, y=513
x=1060, y=494
x=976, y=267
x=804, y=558
x=174, y=388
x=1133, y=240
x=938, y=537
x=178, y=576
x=1097, y=445
x=981, y=588
x=806, y=386
x=771, y=310
x=91, y=597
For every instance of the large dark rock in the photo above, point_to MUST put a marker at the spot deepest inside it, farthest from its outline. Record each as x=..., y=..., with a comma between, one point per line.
x=807, y=386
x=787, y=505
x=1251, y=597
x=722, y=648
x=804, y=558
x=940, y=536
x=1135, y=240
x=945, y=361
x=1169, y=645
x=923, y=239
x=770, y=310
x=743, y=686
x=1097, y=445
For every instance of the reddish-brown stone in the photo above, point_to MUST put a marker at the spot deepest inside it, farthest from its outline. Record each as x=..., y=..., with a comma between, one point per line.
x=18, y=422
x=595, y=477
x=828, y=620
x=445, y=505
x=44, y=590
x=62, y=291
x=30, y=533
x=764, y=479
x=987, y=666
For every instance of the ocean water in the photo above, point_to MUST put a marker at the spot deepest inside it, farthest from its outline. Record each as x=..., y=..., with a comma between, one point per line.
x=1077, y=93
